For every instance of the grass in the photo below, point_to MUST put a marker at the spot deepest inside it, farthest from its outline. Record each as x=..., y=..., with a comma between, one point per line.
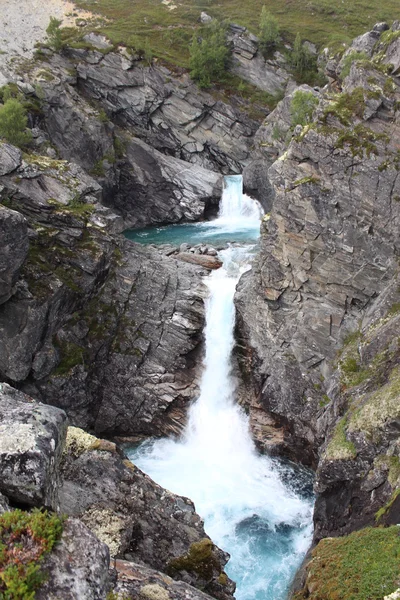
x=364, y=565
x=169, y=32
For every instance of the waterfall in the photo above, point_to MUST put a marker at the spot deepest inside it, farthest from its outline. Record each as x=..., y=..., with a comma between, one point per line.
x=234, y=204
x=247, y=508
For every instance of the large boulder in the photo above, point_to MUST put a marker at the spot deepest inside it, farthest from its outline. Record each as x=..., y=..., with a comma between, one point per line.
x=137, y=519
x=77, y=567
x=32, y=436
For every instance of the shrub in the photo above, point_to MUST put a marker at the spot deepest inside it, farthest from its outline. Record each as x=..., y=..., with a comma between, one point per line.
x=302, y=107
x=13, y=122
x=304, y=64
x=209, y=55
x=54, y=34
x=269, y=31
x=25, y=538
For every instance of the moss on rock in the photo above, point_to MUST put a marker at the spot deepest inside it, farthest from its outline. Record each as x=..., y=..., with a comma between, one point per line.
x=363, y=565
x=200, y=560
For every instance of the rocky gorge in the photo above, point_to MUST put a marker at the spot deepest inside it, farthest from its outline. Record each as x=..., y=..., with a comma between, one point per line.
x=103, y=338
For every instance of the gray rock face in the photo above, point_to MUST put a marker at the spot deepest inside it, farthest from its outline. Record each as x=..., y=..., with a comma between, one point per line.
x=135, y=580
x=170, y=115
x=77, y=567
x=357, y=475
x=91, y=327
x=271, y=75
x=328, y=249
x=129, y=355
x=10, y=159
x=31, y=442
x=138, y=519
x=13, y=250
x=154, y=188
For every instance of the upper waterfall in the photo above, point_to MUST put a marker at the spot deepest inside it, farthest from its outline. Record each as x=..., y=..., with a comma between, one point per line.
x=235, y=205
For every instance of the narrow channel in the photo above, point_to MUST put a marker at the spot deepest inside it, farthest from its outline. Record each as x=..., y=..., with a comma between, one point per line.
x=249, y=508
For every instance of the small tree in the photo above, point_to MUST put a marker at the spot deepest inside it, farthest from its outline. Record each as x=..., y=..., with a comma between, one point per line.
x=209, y=55
x=303, y=63
x=13, y=122
x=54, y=34
x=269, y=31
x=302, y=107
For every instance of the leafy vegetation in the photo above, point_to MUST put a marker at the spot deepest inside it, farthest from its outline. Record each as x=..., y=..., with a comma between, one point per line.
x=302, y=107
x=54, y=34
x=269, y=31
x=361, y=566
x=13, y=122
x=25, y=538
x=349, y=60
x=209, y=55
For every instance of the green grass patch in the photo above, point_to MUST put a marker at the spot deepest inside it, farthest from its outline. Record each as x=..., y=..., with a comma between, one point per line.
x=169, y=32
x=339, y=447
x=364, y=565
x=25, y=538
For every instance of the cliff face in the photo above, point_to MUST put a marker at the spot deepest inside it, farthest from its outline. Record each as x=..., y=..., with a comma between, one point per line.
x=327, y=266
x=106, y=329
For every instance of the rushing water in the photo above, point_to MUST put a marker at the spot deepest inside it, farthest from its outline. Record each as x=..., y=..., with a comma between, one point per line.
x=248, y=507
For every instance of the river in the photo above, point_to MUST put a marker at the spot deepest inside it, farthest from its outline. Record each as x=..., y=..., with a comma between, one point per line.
x=256, y=508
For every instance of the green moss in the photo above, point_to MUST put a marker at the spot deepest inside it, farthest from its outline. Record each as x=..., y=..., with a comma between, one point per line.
x=71, y=355
x=25, y=538
x=305, y=180
x=378, y=408
x=361, y=566
x=346, y=105
x=349, y=60
x=394, y=309
x=339, y=447
x=392, y=463
x=387, y=38
x=200, y=560
x=360, y=140
x=324, y=401
x=385, y=509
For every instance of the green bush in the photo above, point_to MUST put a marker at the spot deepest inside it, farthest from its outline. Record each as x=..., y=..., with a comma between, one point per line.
x=269, y=31
x=13, y=122
x=304, y=64
x=209, y=56
x=302, y=107
x=54, y=34
x=25, y=538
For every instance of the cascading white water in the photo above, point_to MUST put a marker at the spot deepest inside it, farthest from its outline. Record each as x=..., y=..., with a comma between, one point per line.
x=235, y=205
x=247, y=508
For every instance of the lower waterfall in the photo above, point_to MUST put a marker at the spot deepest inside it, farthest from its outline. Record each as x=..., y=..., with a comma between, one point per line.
x=248, y=509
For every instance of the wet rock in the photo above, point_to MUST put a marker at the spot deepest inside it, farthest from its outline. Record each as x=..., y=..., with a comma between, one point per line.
x=77, y=567
x=31, y=441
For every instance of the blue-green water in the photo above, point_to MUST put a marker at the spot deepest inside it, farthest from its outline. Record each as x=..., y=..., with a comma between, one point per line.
x=216, y=233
